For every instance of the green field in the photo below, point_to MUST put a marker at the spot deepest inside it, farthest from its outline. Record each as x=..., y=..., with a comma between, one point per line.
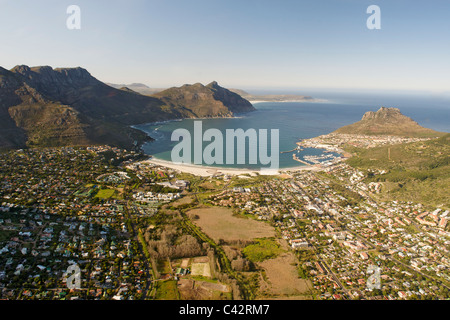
x=167, y=290
x=261, y=250
x=105, y=193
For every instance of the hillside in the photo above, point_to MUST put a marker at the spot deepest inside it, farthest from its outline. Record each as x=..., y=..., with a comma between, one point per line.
x=388, y=121
x=42, y=106
x=202, y=101
x=418, y=171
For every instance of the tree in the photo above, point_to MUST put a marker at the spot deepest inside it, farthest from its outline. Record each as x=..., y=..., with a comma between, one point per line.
x=240, y=264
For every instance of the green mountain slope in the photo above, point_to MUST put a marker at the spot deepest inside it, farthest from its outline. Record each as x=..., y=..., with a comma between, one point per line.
x=418, y=171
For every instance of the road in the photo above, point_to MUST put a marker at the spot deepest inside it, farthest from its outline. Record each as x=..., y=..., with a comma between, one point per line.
x=147, y=267
x=324, y=264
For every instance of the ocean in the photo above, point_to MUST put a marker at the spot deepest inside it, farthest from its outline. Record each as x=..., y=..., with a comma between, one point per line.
x=303, y=120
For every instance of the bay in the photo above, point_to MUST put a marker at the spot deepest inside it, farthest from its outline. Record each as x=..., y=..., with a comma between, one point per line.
x=302, y=120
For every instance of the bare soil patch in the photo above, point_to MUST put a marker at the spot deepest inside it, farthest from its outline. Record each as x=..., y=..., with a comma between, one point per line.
x=201, y=290
x=282, y=277
x=182, y=200
x=220, y=223
x=201, y=269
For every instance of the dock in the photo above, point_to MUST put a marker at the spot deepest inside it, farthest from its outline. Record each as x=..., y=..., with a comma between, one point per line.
x=299, y=160
x=296, y=148
x=289, y=150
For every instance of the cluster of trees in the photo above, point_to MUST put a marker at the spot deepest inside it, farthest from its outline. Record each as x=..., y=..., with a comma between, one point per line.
x=170, y=243
x=238, y=261
x=241, y=264
x=157, y=188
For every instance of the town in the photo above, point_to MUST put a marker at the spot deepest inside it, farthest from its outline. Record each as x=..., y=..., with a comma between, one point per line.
x=132, y=229
x=339, y=233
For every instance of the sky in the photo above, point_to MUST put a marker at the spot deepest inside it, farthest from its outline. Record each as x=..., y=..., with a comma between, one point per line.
x=239, y=43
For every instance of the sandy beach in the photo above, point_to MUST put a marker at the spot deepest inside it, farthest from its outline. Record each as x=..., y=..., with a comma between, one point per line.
x=205, y=171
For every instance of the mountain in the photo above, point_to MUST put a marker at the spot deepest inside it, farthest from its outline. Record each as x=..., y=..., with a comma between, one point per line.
x=137, y=87
x=42, y=106
x=388, y=121
x=128, y=90
x=68, y=106
x=200, y=101
x=10, y=134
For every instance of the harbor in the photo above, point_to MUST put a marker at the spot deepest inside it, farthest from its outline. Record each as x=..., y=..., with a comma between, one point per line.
x=294, y=156
x=328, y=156
x=298, y=148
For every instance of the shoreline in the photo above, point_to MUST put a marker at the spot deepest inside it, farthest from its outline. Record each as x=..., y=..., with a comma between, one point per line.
x=140, y=144
x=234, y=116
x=207, y=171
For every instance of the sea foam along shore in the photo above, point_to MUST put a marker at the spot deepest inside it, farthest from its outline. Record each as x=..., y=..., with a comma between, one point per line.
x=206, y=171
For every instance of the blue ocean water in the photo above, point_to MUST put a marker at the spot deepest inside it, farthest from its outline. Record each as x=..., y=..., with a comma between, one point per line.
x=303, y=120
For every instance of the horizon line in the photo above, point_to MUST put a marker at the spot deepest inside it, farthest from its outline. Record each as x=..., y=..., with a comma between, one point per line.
x=261, y=87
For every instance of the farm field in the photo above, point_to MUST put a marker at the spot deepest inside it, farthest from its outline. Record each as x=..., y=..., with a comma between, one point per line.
x=276, y=264
x=282, y=278
x=279, y=276
x=220, y=223
x=167, y=290
x=200, y=290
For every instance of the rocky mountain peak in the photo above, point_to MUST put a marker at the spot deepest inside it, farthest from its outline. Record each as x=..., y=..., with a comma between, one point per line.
x=48, y=74
x=21, y=69
x=383, y=113
x=387, y=121
x=213, y=84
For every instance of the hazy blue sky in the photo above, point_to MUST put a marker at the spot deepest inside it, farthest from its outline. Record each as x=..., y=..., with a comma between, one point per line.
x=239, y=43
